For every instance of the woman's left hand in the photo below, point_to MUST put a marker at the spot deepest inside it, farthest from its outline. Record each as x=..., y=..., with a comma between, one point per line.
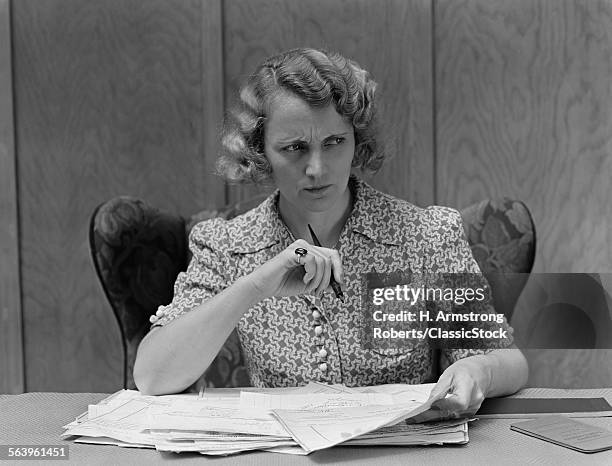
x=462, y=387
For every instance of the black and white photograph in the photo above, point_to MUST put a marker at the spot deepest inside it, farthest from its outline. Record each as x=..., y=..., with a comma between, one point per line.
x=301, y=232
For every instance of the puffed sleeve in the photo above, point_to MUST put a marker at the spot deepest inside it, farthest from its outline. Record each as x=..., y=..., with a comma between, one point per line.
x=206, y=274
x=449, y=253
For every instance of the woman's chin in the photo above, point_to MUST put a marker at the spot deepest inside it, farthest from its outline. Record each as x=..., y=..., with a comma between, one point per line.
x=317, y=203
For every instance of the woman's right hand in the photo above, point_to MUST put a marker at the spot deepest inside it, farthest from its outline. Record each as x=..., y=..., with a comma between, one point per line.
x=284, y=276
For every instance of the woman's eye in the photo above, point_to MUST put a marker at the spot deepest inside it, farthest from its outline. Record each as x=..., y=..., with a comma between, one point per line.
x=293, y=147
x=335, y=141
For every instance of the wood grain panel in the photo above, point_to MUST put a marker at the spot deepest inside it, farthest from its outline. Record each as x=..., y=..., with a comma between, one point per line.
x=213, y=104
x=524, y=109
x=569, y=368
x=109, y=100
x=390, y=38
x=11, y=344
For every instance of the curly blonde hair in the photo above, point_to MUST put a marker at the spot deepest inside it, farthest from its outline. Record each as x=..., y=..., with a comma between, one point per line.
x=319, y=78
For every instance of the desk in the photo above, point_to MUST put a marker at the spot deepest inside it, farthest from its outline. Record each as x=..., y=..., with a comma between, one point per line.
x=37, y=418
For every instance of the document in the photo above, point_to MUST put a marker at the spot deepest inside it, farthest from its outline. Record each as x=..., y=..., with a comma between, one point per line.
x=202, y=415
x=296, y=420
x=405, y=433
x=267, y=401
x=567, y=433
x=323, y=427
x=121, y=416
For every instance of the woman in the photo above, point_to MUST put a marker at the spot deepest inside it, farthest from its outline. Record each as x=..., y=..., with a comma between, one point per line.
x=306, y=120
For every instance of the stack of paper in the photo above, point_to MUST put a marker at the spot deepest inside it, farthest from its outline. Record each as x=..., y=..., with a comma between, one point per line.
x=285, y=420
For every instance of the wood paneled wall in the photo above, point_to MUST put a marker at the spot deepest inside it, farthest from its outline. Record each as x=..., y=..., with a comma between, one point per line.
x=11, y=342
x=112, y=97
x=524, y=109
x=479, y=98
x=389, y=38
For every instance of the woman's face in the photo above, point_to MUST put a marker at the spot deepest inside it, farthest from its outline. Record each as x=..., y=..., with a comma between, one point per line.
x=310, y=151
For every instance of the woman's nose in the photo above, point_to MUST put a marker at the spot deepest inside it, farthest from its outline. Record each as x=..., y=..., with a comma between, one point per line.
x=314, y=166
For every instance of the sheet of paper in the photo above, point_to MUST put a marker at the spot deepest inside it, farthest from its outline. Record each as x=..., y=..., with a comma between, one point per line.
x=295, y=450
x=401, y=392
x=110, y=441
x=454, y=431
x=125, y=422
x=211, y=447
x=308, y=401
x=202, y=415
x=319, y=387
x=405, y=428
x=319, y=429
x=210, y=435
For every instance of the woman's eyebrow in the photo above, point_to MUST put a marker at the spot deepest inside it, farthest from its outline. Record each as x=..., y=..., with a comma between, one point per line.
x=335, y=135
x=290, y=139
x=284, y=139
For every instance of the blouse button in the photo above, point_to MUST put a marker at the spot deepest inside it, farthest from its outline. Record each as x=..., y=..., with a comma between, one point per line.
x=318, y=330
x=316, y=314
x=323, y=367
x=323, y=353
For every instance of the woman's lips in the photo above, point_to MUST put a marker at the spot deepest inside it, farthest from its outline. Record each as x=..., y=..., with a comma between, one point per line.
x=318, y=190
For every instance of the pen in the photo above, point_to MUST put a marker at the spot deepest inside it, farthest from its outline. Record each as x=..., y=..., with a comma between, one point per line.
x=332, y=282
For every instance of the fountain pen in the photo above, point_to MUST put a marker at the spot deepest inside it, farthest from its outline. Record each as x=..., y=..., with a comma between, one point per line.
x=333, y=283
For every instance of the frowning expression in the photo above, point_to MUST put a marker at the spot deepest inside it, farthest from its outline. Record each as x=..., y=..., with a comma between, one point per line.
x=310, y=150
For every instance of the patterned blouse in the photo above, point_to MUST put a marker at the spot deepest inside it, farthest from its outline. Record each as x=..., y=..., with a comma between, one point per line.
x=288, y=341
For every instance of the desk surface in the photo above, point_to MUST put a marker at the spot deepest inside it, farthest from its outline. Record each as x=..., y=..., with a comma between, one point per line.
x=37, y=419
